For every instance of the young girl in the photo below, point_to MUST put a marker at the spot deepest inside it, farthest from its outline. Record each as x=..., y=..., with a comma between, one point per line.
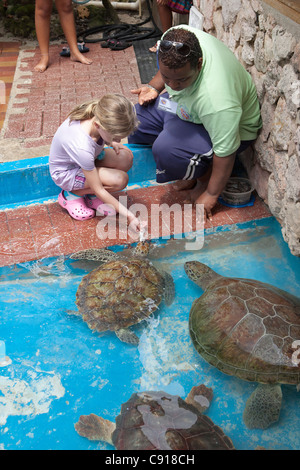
x=79, y=164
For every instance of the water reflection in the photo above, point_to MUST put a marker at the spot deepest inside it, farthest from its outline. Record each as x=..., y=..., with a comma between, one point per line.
x=99, y=373
x=162, y=414
x=157, y=420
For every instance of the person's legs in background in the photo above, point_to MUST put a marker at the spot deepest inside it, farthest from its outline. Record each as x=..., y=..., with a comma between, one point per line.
x=166, y=18
x=66, y=17
x=43, y=10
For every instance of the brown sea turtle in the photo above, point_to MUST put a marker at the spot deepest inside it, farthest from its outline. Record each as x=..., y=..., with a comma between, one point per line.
x=248, y=329
x=156, y=420
x=122, y=291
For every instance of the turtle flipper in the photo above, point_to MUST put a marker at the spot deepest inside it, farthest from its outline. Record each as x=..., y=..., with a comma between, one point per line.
x=127, y=336
x=95, y=254
x=169, y=288
x=95, y=428
x=263, y=407
x=200, y=397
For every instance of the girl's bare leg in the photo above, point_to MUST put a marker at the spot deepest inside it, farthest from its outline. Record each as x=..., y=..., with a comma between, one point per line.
x=112, y=171
x=66, y=16
x=43, y=9
x=122, y=161
x=113, y=180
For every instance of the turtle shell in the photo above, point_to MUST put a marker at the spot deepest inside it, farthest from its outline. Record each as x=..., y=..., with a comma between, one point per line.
x=248, y=329
x=159, y=421
x=119, y=293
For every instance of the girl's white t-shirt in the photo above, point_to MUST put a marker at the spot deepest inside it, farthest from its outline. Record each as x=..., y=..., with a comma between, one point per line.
x=72, y=149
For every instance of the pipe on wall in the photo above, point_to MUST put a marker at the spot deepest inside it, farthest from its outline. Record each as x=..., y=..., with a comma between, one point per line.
x=137, y=5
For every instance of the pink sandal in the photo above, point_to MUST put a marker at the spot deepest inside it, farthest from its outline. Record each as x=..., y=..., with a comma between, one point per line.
x=76, y=207
x=99, y=206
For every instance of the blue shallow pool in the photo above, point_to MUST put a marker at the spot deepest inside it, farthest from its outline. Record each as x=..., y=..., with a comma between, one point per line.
x=60, y=369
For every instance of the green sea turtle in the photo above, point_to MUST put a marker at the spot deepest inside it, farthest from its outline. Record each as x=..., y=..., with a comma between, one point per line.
x=248, y=329
x=122, y=291
x=159, y=421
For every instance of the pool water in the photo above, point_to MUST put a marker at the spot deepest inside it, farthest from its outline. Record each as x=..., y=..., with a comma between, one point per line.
x=60, y=369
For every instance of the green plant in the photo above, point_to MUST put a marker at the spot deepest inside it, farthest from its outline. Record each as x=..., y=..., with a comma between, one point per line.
x=18, y=17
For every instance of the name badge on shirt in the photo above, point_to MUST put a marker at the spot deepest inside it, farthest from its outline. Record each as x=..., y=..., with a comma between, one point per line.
x=167, y=105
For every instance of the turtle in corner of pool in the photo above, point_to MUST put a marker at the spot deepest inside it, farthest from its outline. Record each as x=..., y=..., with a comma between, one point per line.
x=122, y=291
x=156, y=420
x=248, y=329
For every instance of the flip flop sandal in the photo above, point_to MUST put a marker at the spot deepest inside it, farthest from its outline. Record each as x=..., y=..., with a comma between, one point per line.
x=119, y=45
x=115, y=45
x=109, y=43
x=66, y=50
x=99, y=206
x=76, y=207
x=82, y=47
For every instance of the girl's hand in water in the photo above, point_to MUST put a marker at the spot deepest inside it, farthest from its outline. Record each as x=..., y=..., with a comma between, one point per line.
x=137, y=226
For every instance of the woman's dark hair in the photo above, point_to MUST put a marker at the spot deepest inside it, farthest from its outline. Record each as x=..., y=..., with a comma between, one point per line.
x=172, y=59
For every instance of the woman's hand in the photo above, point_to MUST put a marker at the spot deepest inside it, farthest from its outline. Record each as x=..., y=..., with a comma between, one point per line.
x=145, y=95
x=208, y=202
x=221, y=171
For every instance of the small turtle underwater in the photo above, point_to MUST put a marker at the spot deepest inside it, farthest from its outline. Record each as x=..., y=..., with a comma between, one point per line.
x=122, y=291
x=156, y=420
x=248, y=329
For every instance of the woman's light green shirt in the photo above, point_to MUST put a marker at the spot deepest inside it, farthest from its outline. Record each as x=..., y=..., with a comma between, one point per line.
x=223, y=98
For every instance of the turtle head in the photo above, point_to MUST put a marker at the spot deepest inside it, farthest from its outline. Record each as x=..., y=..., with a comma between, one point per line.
x=142, y=249
x=200, y=273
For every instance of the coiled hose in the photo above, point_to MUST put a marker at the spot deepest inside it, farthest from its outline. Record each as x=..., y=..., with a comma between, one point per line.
x=119, y=36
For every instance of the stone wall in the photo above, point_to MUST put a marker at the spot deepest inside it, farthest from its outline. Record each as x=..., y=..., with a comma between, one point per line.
x=268, y=46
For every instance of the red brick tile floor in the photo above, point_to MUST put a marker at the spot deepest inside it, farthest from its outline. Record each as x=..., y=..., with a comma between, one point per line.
x=45, y=230
x=43, y=100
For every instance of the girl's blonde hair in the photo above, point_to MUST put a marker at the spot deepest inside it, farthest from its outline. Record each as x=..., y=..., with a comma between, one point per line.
x=113, y=112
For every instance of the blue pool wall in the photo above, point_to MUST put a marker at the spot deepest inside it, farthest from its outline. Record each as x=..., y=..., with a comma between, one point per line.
x=65, y=370
x=28, y=181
